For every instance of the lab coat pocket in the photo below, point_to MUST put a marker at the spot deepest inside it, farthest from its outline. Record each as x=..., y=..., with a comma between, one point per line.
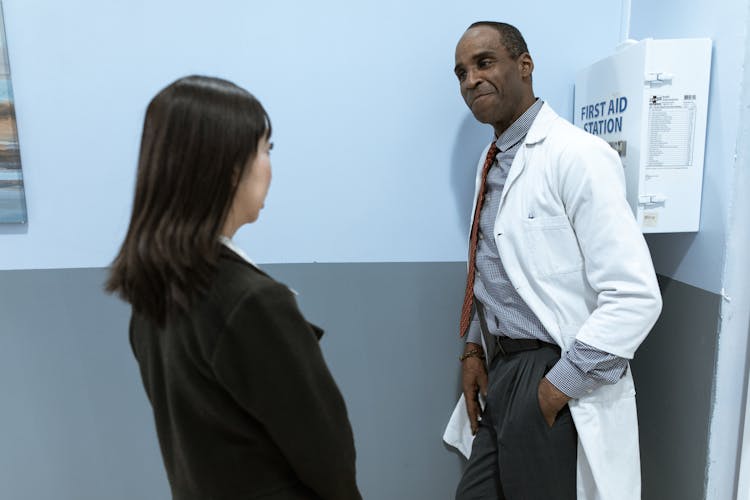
x=552, y=245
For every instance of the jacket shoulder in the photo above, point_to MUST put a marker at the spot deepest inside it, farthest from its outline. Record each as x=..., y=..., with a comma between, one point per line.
x=236, y=280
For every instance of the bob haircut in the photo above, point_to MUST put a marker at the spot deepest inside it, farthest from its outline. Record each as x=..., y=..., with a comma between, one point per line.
x=198, y=135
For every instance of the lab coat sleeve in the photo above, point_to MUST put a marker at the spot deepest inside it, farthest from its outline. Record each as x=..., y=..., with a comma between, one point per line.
x=616, y=259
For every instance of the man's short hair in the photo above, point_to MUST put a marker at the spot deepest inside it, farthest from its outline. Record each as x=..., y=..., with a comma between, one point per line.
x=510, y=37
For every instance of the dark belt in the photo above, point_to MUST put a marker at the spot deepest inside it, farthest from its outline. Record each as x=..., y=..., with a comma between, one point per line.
x=505, y=345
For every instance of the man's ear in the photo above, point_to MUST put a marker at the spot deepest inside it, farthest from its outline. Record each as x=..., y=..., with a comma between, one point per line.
x=525, y=65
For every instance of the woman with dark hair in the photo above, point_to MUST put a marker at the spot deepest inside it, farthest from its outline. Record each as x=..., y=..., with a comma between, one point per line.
x=244, y=404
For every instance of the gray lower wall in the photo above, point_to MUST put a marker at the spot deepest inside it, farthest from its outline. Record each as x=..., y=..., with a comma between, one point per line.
x=674, y=373
x=392, y=343
x=75, y=423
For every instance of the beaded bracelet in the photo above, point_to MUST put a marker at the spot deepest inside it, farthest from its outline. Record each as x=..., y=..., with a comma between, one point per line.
x=474, y=353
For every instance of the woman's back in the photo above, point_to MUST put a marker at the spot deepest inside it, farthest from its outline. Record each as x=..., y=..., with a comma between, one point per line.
x=243, y=401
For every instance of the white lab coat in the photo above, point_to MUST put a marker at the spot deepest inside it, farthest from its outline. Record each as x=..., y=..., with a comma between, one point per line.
x=575, y=254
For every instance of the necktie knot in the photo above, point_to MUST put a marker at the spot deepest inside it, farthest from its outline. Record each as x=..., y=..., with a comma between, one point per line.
x=491, y=154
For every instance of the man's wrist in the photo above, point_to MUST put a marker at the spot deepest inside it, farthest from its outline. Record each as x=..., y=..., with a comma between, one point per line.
x=552, y=392
x=471, y=345
x=472, y=350
x=472, y=353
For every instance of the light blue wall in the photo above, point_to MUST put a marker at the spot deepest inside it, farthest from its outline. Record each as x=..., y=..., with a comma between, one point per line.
x=698, y=259
x=375, y=150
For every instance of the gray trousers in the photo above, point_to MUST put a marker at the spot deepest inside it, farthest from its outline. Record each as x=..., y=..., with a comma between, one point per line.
x=516, y=455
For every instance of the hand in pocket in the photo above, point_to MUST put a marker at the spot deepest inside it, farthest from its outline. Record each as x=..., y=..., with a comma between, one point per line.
x=551, y=400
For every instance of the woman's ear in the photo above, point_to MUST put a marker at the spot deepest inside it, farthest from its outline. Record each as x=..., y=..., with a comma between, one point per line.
x=236, y=175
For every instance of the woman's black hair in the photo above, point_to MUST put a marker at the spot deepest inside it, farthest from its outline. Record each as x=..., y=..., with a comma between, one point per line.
x=198, y=134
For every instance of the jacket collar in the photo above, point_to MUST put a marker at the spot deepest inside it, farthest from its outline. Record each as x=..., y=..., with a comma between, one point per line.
x=541, y=126
x=231, y=251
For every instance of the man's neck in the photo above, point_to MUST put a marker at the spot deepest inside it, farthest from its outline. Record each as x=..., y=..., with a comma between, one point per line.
x=502, y=127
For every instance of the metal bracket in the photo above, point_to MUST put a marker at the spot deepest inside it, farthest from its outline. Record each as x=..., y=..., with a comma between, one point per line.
x=658, y=78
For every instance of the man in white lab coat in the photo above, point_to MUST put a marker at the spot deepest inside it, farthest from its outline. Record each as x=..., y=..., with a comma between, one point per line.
x=560, y=293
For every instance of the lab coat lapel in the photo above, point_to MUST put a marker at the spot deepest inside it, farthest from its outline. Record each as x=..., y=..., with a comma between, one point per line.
x=519, y=162
x=537, y=133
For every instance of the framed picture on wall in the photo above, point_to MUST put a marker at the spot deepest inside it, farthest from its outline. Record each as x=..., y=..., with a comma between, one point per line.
x=12, y=196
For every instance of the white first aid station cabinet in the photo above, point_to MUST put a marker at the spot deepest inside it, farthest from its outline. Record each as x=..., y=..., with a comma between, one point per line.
x=649, y=101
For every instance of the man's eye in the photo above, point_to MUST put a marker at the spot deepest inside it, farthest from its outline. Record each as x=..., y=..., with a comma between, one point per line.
x=484, y=63
x=461, y=75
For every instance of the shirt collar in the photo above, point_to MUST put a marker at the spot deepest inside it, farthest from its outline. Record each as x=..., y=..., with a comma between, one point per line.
x=230, y=245
x=519, y=128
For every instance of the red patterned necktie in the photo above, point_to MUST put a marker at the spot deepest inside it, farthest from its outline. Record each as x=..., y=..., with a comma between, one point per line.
x=469, y=296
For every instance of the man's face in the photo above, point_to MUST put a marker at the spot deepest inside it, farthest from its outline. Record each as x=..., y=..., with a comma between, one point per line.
x=496, y=88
